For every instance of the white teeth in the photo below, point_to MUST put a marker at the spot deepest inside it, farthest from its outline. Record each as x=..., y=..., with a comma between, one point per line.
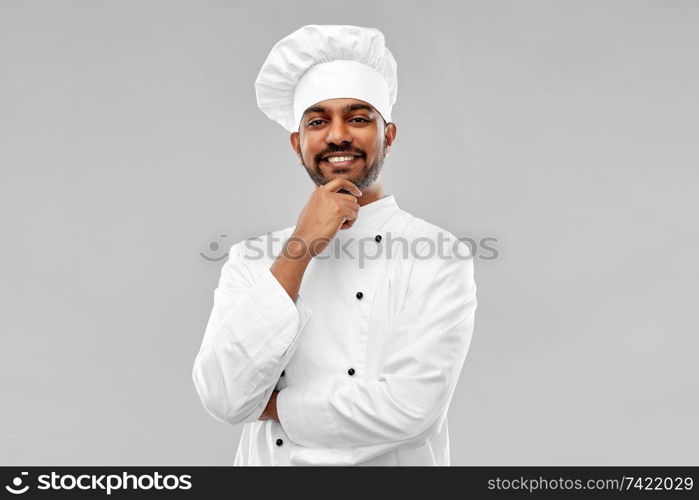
x=337, y=159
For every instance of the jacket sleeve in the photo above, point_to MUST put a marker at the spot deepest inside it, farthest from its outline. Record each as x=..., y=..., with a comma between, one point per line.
x=250, y=336
x=346, y=420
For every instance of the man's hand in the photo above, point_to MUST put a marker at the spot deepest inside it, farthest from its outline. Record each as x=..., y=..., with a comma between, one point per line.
x=326, y=212
x=271, y=408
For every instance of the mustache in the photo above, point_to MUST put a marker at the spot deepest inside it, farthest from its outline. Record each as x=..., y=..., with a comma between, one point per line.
x=337, y=149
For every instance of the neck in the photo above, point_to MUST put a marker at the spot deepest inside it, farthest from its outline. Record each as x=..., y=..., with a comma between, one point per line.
x=371, y=194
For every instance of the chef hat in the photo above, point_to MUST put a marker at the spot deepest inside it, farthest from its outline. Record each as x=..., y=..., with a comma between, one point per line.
x=319, y=62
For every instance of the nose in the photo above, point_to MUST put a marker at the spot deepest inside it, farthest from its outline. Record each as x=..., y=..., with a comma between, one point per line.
x=338, y=133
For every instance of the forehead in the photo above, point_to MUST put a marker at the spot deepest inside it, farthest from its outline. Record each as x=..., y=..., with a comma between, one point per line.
x=340, y=105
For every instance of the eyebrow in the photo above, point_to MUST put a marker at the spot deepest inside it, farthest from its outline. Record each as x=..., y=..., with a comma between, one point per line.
x=349, y=107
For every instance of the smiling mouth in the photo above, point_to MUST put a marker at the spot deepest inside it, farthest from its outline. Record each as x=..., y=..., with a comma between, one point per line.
x=341, y=161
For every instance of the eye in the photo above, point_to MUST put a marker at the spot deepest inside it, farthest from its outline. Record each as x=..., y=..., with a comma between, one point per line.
x=359, y=118
x=310, y=124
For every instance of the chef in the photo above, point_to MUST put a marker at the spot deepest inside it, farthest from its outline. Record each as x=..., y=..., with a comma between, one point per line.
x=344, y=343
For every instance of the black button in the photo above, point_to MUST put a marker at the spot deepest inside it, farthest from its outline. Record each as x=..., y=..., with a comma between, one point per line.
x=350, y=372
x=360, y=295
x=378, y=238
x=283, y=373
x=279, y=442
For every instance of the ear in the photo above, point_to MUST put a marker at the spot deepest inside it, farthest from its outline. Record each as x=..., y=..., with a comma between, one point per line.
x=390, y=133
x=296, y=143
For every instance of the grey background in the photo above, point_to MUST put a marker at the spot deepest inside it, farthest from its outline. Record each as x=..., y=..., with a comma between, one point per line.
x=130, y=140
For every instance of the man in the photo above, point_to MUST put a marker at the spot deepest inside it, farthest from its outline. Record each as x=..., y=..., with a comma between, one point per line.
x=342, y=346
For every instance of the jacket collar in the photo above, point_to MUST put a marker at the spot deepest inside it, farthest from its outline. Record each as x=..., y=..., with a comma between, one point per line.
x=376, y=214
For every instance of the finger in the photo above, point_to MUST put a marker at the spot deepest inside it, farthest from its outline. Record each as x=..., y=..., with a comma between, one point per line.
x=345, y=198
x=341, y=183
x=350, y=213
x=347, y=223
x=349, y=201
x=352, y=205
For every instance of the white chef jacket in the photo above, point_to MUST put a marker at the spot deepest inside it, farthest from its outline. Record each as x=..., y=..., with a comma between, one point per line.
x=366, y=358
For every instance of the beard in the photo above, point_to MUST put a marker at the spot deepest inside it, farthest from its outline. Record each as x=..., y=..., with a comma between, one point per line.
x=363, y=179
